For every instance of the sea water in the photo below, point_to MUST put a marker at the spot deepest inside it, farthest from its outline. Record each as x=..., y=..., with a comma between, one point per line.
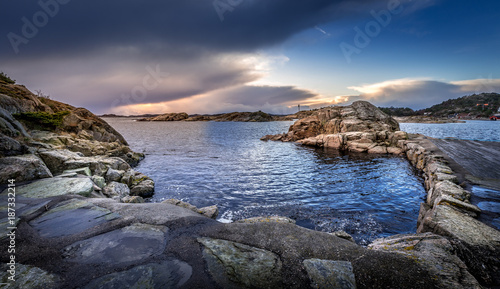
x=226, y=164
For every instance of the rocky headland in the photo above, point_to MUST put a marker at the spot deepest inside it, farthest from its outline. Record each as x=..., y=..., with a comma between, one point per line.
x=360, y=127
x=79, y=220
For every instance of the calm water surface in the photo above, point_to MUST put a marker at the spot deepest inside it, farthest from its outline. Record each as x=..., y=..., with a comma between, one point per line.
x=225, y=163
x=471, y=130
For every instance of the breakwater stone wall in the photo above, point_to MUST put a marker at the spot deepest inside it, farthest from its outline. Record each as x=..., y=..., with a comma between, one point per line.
x=448, y=212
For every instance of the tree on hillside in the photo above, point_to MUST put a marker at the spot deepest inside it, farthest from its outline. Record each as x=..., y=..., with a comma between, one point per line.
x=5, y=78
x=483, y=105
x=398, y=111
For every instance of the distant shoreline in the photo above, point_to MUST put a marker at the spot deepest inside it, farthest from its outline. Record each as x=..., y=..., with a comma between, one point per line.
x=258, y=116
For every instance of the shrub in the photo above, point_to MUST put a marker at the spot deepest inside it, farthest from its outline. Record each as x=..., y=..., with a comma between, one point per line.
x=5, y=78
x=42, y=119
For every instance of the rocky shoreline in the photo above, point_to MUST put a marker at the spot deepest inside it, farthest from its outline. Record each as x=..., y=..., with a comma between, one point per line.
x=447, y=212
x=80, y=221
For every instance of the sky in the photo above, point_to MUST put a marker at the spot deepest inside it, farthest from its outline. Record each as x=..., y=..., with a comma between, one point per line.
x=212, y=56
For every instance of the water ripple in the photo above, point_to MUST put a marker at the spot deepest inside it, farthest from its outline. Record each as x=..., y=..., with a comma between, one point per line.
x=207, y=163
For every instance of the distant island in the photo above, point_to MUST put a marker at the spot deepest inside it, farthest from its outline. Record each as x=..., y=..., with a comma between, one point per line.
x=476, y=106
x=257, y=116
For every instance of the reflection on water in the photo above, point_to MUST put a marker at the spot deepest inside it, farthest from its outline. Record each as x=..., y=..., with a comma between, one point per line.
x=207, y=163
x=488, y=201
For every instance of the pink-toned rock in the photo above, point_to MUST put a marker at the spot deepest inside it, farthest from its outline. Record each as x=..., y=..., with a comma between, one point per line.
x=360, y=127
x=394, y=150
x=378, y=150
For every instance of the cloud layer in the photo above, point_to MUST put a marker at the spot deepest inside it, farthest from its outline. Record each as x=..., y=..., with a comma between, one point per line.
x=97, y=53
x=421, y=93
x=196, y=56
x=76, y=27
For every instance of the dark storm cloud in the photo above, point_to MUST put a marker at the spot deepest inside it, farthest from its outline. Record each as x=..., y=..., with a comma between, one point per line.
x=76, y=27
x=94, y=53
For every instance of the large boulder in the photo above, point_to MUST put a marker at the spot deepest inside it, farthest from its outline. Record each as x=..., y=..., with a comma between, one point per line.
x=11, y=147
x=435, y=252
x=142, y=186
x=115, y=189
x=23, y=168
x=361, y=116
x=235, y=265
x=76, y=129
x=360, y=127
x=60, y=160
x=447, y=220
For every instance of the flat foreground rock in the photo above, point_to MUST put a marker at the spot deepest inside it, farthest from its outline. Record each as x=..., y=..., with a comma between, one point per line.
x=129, y=244
x=71, y=217
x=56, y=187
x=164, y=275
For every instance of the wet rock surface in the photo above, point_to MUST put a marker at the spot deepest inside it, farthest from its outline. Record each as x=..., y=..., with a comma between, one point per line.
x=167, y=274
x=130, y=244
x=71, y=217
x=330, y=274
x=126, y=245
